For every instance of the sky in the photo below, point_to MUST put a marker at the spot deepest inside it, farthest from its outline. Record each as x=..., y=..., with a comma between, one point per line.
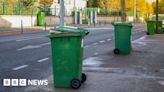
x=150, y=1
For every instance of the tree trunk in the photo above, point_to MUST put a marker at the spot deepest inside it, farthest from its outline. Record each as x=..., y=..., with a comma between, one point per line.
x=157, y=7
x=123, y=11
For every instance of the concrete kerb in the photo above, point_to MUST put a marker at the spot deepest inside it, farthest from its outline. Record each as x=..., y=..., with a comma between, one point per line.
x=16, y=31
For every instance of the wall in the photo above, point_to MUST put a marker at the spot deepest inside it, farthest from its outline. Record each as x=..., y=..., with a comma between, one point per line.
x=16, y=21
x=107, y=19
x=51, y=20
x=29, y=21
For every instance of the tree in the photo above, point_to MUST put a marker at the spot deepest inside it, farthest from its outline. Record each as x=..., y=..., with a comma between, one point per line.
x=104, y=5
x=114, y=4
x=7, y=7
x=27, y=3
x=47, y=3
x=161, y=7
x=92, y=3
x=107, y=6
x=129, y=4
x=123, y=12
x=150, y=9
x=8, y=1
x=44, y=5
x=141, y=6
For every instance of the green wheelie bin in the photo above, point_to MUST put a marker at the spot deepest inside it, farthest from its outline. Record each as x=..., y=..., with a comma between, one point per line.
x=160, y=29
x=67, y=55
x=122, y=32
x=40, y=18
x=150, y=27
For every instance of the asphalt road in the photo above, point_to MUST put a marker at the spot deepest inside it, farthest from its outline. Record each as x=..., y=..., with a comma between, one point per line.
x=28, y=56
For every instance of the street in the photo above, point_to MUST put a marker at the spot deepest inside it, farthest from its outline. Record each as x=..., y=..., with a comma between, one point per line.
x=28, y=56
x=41, y=50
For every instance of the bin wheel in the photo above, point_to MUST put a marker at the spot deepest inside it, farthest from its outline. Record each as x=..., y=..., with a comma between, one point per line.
x=87, y=33
x=75, y=83
x=116, y=51
x=147, y=33
x=83, y=77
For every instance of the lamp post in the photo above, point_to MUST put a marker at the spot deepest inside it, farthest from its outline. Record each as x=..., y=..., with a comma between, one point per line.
x=135, y=11
x=74, y=7
x=62, y=12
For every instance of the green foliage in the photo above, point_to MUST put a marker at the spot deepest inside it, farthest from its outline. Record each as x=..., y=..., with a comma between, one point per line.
x=92, y=3
x=161, y=6
x=104, y=5
x=27, y=3
x=46, y=3
x=17, y=7
x=44, y=6
x=107, y=7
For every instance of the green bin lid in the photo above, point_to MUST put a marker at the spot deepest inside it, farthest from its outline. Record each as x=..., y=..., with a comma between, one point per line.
x=150, y=21
x=122, y=24
x=68, y=31
x=153, y=21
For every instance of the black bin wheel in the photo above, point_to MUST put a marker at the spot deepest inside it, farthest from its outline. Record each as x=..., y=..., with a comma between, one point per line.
x=147, y=33
x=75, y=83
x=83, y=77
x=116, y=51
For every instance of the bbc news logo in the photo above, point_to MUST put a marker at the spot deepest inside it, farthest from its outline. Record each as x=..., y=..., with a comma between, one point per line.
x=24, y=82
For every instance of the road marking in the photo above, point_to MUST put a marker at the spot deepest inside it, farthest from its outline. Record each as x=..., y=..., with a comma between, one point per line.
x=25, y=39
x=96, y=53
x=162, y=70
x=42, y=60
x=109, y=39
x=92, y=61
x=102, y=41
x=99, y=28
x=86, y=46
x=103, y=69
x=44, y=44
x=95, y=43
x=140, y=39
x=161, y=82
x=20, y=67
x=28, y=47
x=33, y=46
x=141, y=43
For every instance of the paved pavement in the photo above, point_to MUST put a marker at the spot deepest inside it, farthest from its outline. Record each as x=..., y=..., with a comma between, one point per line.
x=141, y=71
x=19, y=31
x=28, y=56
